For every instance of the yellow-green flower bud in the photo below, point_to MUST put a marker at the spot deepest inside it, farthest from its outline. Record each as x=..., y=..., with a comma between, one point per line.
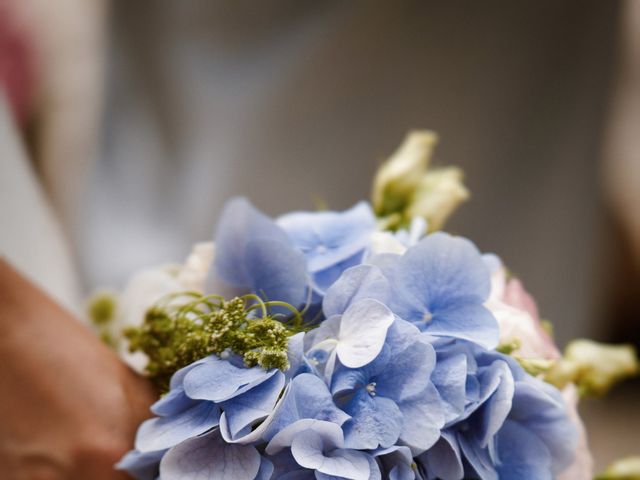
x=437, y=196
x=397, y=178
x=594, y=367
x=624, y=469
x=404, y=188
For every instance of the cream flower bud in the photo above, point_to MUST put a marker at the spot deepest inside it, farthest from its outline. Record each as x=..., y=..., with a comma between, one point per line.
x=400, y=175
x=437, y=196
x=594, y=367
x=405, y=189
x=624, y=469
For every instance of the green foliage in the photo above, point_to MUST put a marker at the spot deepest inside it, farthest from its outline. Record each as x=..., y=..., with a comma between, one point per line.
x=184, y=328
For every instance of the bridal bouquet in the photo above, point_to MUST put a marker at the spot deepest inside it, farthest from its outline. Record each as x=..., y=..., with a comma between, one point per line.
x=363, y=344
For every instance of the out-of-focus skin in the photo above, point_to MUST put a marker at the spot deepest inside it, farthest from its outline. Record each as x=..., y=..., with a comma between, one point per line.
x=622, y=155
x=69, y=408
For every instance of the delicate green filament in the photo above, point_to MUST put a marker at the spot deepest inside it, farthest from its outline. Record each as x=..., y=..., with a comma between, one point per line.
x=182, y=328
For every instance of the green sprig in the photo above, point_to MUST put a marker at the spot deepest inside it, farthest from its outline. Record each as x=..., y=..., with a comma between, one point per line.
x=181, y=329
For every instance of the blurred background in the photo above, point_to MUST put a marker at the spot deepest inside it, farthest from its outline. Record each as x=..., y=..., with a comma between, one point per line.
x=125, y=126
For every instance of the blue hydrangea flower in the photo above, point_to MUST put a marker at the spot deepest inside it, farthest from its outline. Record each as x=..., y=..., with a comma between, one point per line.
x=501, y=422
x=440, y=285
x=397, y=462
x=201, y=396
x=209, y=456
x=330, y=241
x=309, y=446
x=391, y=399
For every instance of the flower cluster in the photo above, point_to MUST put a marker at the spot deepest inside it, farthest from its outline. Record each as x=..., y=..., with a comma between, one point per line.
x=400, y=355
x=398, y=379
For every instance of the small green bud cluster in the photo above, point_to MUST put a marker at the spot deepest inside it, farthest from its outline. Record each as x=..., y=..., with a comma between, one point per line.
x=101, y=310
x=176, y=333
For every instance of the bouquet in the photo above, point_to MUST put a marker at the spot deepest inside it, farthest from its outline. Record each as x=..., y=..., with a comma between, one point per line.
x=363, y=344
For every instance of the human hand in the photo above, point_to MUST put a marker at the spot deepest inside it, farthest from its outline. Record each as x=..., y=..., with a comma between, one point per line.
x=69, y=408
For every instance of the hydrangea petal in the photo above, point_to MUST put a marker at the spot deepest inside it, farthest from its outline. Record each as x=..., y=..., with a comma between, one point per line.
x=474, y=323
x=174, y=402
x=316, y=450
x=240, y=222
x=266, y=469
x=450, y=378
x=397, y=461
x=254, y=405
x=362, y=281
x=210, y=457
x=218, y=380
x=328, y=238
x=330, y=432
x=498, y=380
x=444, y=459
x=445, y=270
x=425, y=419
x=408, y=370
x=363, y=329
x=277, y=271
x=532, y=455
x=307, y=396
x=376, y=422
x=163, y=432
x=142, y=466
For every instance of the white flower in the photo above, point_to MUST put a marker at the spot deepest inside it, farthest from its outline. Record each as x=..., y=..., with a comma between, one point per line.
x=148, y=286
x=193, y=274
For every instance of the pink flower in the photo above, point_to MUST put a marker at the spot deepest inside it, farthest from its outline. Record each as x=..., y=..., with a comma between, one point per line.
x=518, y=318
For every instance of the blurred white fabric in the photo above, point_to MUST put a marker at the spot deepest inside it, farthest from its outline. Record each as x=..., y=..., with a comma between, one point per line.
x=285, y=100
x=31, y=238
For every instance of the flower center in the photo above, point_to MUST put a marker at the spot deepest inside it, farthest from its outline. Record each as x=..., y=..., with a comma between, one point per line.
x=371, y=389
x=427, y=317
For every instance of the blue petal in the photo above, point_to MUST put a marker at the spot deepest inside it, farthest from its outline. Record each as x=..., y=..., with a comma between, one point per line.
x=479, y=461
x=362, y=281
x=254, y=254
x=520, y=450
x=330, y=433
x=446, y=270
x=163, y=432
x=256, y=404
x=285, y=467
x=450, y=377
x=444, y=459
x=540, y=408
x=424, y=419
x=441, y=284
x=376, y=422
x=316, y=450
x=277, y=271
x=306, y=397
x=469, y=322
x=327, y=238
x=239, y=223
x=408, y=371
x=210, y=457
x=397, y=461
x=174, y=402
x=266, y=469
x=324, y=279
x=498, y=388
x=142, y=466
x=219, y=380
